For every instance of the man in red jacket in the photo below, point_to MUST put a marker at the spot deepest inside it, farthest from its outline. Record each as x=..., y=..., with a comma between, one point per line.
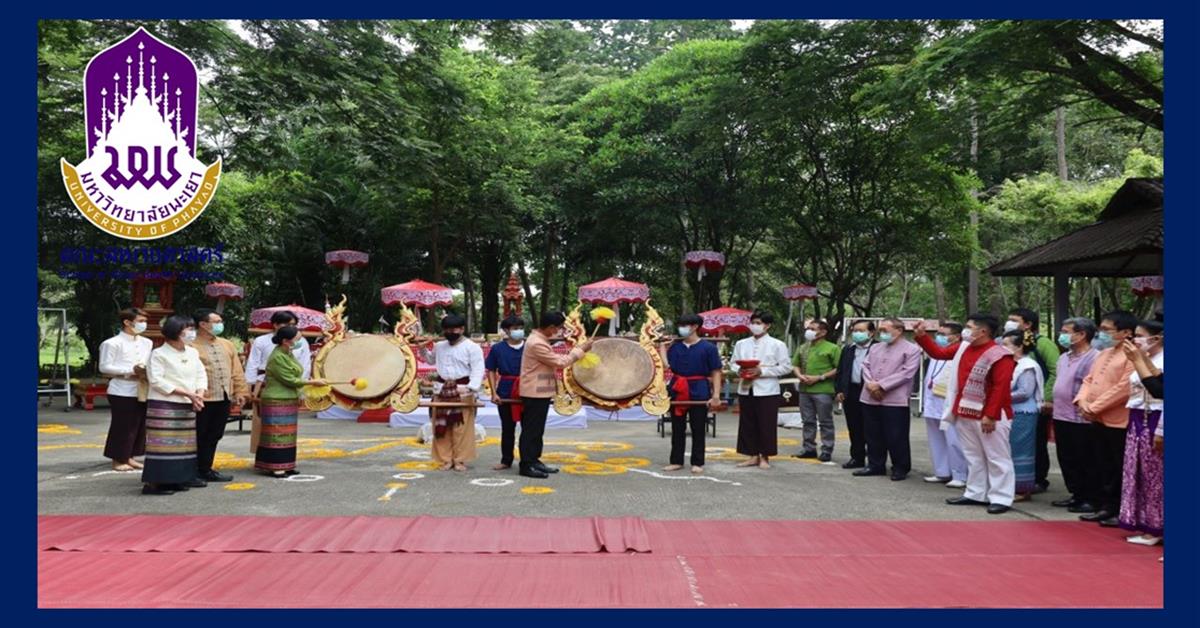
x=979, y=404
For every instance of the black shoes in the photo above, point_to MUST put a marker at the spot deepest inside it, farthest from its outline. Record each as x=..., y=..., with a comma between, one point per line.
x=825, y=458
x=965, y=501
x=1099, y=515
x=157, y=490
x=805, y=454
x=543, y=468
x=1110, y=522
x=1041, y=487
x=1065, y=503
x=997, y=509
x=866, y=471
x=195, y=483
x=213, y=476
x=532, y=472
x=853, y=464
x=1084, y=507
x=897, y=476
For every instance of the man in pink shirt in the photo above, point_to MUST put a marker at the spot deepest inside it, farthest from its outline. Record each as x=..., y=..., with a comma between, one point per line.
x=887, y=376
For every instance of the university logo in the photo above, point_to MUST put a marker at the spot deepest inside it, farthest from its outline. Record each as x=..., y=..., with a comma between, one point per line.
x=141, y=179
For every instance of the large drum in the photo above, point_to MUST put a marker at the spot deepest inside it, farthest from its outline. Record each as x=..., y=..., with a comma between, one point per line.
x=625, y=370
x=369, y=357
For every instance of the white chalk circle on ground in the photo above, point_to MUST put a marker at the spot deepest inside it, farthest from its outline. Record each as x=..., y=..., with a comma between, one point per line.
x=408, y=476
x=491, y=481
x=304, y=478
x=420, y=454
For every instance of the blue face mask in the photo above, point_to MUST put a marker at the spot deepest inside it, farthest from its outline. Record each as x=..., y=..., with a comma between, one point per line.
x=885, y=337
x=1103, y=340
x=516, y=334
x=1064, y=340
x=860, y=337
x=218, y=329
x=942, y=340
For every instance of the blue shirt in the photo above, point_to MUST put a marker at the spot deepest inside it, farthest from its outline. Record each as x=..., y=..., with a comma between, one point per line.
x=699, y=359
x=505, y=359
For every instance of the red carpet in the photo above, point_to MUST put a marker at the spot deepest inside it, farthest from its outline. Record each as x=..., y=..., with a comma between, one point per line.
x=177, y=561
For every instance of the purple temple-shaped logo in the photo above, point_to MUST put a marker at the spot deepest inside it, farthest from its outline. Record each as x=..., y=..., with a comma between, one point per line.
x=141, y=179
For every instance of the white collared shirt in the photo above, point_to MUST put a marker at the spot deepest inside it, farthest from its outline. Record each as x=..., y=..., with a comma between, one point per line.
x=261, y=349
x=773, y=363
x=118, y=356
x=457, y=361
x=171, y=369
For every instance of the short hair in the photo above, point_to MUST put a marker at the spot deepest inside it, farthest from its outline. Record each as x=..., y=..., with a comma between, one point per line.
x=870, y=324
x=131, y=313
x=287, y=332
x=955, y=328
x=201, y=315
x=1121, y=319
x=1082, y=324
x=174, y=325
x=1153, y=327
x=763, y=316
x=986, y=320
x=453, y=320
x=552, y=319
x=512, y=321
x=284, y=317
x=690, y=319
x=822, y=323
x=894, y=322
x=1027, y=315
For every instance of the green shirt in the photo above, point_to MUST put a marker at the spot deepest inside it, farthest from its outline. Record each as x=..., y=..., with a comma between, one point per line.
x=1049, y=351
x=284, y=376
x=818, y=358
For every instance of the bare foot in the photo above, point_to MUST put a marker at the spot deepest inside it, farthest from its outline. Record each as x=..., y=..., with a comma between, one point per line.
x=458, y=466
x=673, y=467
x=134, y=463
x=117, y=466
x=501, y=467
x=697, y=470
x=764, y=464
x=751, y=462
x=445, y=467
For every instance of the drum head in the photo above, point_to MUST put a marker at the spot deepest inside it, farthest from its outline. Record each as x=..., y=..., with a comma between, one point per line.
x=625, y=370
x=369, y=357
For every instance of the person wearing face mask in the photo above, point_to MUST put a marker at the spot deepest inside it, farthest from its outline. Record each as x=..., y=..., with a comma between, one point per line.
x=887, y=384
x=1025, y=319
x=1073, y=438
x=460, y=365
x=1027, y=398
x=848, y=385
x=123, y=358
x=280, y=401
x=949, y=464
x=695, y=376
x=503, y=366
x=539, y=384
x=1102, y=400
x=816, y=364
x=758, y=391
x=979, y=405
x=1142, y=490
x=226, y=383
x=177, y=390
x=256, y=364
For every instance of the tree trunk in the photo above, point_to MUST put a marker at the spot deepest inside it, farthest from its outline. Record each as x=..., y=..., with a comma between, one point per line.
x=939, y=292
x=548, y=267
x=469, y=298
x=683, y=286
x=534, y=313
x=1021, y=302
x=490, y=270
x=903, y=294
x=972, y=272
x=997, y=304
x=1060, y=141
x=564, y=288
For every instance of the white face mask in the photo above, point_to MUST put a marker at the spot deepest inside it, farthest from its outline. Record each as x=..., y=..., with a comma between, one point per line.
x=188, y=335
x=516, y=334
x=1011, y=325
x=684, y=331
x=757, y=330
x=139, y=327
x=810, y=335
x=968, y=334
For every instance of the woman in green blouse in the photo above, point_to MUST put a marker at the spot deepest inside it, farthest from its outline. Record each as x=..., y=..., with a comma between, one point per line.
x=279, y=401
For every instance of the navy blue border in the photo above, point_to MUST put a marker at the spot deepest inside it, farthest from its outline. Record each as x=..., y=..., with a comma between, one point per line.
x=19, y=251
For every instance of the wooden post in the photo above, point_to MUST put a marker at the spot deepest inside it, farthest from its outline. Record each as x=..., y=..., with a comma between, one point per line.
x=1062, y=296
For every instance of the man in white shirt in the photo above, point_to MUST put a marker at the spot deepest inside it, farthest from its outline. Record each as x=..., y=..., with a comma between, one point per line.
x=758, y=391
x=123, y=358
x=459, y=363
x=256, y=364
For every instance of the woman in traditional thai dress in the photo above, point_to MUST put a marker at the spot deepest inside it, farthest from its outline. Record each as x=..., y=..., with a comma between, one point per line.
x=279, y=402
x=1027, y=382
x=177, y=389
x=1142, y=478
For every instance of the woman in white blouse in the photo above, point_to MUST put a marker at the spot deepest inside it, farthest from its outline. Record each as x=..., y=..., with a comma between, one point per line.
x=177, y=390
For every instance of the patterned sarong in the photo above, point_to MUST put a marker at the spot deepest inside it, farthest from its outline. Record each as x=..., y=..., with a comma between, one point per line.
x=1142, y=477
x=277, y=441
x=170, y=443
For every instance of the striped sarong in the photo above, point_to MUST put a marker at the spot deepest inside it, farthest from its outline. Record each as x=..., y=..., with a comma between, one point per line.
x=277, y=440
x=1022, y=440
x=170, y=443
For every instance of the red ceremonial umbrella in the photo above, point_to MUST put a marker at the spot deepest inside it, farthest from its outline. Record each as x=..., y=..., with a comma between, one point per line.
x=704, y=261
x=345, y=259
x=417, y=293
x=222, y=291
x=310, y=320
x=614, y=291
x=726, y=320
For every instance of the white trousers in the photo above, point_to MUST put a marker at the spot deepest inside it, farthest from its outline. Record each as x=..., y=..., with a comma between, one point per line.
x=990, y=475
x=946, y=452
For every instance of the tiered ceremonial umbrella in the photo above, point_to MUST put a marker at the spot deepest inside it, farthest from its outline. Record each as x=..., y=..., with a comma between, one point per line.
x=418, y=294
x=614, y=291
x=222, y=291
x=346, y=259
x=704, y=261
x=1149, y=286
x=797, y=292
x=729, y=320
x=309, y=320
